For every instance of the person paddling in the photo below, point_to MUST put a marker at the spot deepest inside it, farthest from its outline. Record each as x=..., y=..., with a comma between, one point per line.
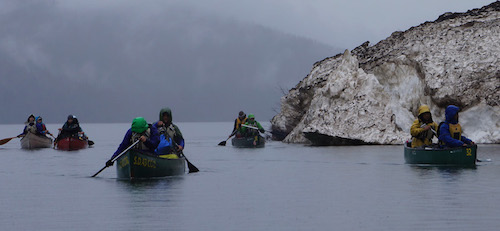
x=450, y=131
x=251, y=132
x=242, y=119
x=41, y=129
x=29, y=126
x=168, y=129
x=71, y=128
x=140, y=130
x=423, y=128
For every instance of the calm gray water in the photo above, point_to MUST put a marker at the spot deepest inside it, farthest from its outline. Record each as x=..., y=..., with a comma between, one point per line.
x=280, y=187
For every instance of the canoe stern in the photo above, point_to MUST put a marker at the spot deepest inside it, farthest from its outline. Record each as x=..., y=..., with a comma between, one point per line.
x=138, y=164
x=465, y=156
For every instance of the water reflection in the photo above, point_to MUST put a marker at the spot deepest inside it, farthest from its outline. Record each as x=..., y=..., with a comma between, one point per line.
x=444, y=171
x=139, y=185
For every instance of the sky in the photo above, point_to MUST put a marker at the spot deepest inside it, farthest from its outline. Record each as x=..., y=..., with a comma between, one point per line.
x=113, y=60
x=340, y=23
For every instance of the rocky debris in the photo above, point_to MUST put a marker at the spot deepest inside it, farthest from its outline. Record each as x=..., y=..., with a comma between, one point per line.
x=371, y=95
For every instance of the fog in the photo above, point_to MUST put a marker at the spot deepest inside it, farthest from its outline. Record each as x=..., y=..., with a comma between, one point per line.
x=110, y=61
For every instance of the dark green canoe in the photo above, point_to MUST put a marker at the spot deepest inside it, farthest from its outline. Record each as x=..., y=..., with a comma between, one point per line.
x=460, y=156
x=247, y=142
x=140, y=164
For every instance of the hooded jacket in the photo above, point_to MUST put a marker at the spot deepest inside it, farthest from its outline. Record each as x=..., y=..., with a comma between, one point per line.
x=29, y=127
x=40, y=127
x=420, y=136
x=70, y=129
x=450, y=131
x=253, y=123
x=168, y=125
x=151, y=143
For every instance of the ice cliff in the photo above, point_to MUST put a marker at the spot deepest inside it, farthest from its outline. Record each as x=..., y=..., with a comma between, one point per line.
x=371, y=95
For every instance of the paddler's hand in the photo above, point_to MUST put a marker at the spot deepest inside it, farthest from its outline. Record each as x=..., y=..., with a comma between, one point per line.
x=180, y=147
x=143, y=138
x=160, y=123
x=109, y=163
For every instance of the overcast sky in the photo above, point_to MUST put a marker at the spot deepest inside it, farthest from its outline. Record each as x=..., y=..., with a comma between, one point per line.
x=339, y=23
x=206, y=59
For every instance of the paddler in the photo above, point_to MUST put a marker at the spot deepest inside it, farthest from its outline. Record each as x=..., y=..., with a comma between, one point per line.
x=252, y=132
x=450, y=131
x=140, y=130
x=423, y=128
x=168, y=129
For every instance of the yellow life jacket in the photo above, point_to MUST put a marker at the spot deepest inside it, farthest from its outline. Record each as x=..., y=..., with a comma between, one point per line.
x=456, y=131
x=425, y=137
x=240, y=122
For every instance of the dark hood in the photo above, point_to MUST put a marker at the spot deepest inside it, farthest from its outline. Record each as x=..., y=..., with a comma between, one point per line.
x=28, y=120
x=450, y=113
x=169, y=113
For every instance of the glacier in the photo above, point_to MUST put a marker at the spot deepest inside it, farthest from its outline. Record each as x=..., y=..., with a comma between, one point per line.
x=371, y=94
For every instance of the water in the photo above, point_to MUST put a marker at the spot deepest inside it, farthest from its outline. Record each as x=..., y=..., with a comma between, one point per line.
x=280, y=187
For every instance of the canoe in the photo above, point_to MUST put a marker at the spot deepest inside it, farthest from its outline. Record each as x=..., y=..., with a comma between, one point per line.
x=460, y=156
x=141, y=164
x=247, y=142
x=33, y=141
x=71, y=143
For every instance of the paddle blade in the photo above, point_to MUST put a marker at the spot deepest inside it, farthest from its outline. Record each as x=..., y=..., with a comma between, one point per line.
x=223, y=143
x=90, y=142
x=191, y=167
x=4, y=141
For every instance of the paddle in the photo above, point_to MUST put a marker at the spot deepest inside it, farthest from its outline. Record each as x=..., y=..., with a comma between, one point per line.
x=4, y=141
x=191, y=166
x=118, y=156
x=256, y=128
x=223, y=143
x=51, y=135
x=248, y=126
x=432, y=129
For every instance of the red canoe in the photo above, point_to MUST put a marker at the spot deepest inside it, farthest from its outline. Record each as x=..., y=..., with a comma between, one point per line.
x=72, y=143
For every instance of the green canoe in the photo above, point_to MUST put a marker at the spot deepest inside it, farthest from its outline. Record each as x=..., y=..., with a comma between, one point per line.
x=140, y=164
x=460, y=156
x=247, y=142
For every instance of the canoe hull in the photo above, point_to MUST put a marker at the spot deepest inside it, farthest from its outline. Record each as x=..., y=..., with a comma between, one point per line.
x=247, y=142
x=461, y=156
x=140, y=164
x=71, y=144
x=32, y=141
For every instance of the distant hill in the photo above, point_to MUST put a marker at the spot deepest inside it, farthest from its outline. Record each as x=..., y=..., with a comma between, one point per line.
x=114, y=64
